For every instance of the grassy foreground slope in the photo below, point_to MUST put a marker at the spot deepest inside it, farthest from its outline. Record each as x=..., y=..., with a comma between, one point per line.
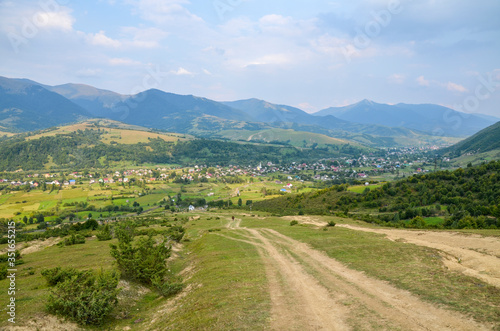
x=234, y=271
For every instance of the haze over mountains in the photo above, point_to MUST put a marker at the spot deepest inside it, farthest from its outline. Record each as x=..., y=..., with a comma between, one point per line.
x=27, y=105
x=434, y=119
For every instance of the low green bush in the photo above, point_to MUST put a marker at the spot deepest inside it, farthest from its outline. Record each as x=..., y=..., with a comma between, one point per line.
x=74, y=239
x=105, y=233
x=83, y=296
x=166, y=288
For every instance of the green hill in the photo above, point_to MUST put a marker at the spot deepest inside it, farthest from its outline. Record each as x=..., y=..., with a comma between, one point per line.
x=484, y=141
x=103, y=143
x=285, y=136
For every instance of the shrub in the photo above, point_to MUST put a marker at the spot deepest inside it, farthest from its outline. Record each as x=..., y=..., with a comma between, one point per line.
x=3, y=272
x=57, y=275
x=166, y=288
x=105, y=233
x=292, y=223
x=331, y=223
x=5, y=257
x=91, y=224
x=84, y=297
x=74, y=239
x=176, y=233
x=143, y=261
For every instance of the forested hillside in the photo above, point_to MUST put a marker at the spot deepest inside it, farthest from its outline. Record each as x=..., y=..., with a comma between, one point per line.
x=84, y=149
x=484, y=141
x=465, y=198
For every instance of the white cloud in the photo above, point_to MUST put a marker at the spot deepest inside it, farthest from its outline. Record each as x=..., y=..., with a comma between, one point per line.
x=88, y=72
x=100, y=39
x=456, y=88
x=181, y=72
x=307, y=107
x=274, y=19
x=123, y=62
x=61, y=20
x=240, y=26
x=422, y=81
x=25, y=17
x=206, y=72
x=272, y=59
x=143, y=37
x=165, y=11
x=496, y=75
x=132, y=37
x=397, y=79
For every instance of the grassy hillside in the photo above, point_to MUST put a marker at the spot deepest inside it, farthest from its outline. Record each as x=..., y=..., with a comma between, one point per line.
x=290, y=137
x=112, y=131
x=229, y=283
x=484, y=141
x=91, y=145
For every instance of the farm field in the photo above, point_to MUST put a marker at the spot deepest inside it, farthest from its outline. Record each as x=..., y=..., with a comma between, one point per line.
x=17, y=204
x=258, y=272
x=113, y=132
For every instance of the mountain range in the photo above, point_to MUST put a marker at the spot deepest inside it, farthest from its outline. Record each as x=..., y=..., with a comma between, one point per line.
x=26, y=105
x=429, y=118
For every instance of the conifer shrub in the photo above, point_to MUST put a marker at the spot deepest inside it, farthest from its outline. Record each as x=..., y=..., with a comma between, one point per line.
x=82, y=296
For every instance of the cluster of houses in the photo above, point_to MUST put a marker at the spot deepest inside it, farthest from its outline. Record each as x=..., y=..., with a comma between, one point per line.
x=394, y=159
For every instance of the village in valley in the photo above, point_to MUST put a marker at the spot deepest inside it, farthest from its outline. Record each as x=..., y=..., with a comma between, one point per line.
x=396, y=163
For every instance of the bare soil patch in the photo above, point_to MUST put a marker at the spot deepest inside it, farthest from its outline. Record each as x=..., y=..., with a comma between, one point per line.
x=473, y=255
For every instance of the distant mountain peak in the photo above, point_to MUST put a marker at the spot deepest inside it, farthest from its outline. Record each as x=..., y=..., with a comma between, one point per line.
x=366, y=102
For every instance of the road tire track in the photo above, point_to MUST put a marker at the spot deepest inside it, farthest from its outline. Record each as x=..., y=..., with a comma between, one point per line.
x=311, y=291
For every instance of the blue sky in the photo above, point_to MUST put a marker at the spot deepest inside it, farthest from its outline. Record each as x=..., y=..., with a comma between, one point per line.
x=308, y=54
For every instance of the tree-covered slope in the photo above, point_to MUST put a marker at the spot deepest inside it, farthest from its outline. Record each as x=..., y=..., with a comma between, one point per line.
x=87, y=149
x=465, y=197
x=484, y=141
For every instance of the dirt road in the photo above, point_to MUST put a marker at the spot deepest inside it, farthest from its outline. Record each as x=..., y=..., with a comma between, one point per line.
x=473, y=255
x=310, y=291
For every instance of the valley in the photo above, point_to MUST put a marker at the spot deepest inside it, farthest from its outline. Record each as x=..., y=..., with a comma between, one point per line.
x=249, y=165
x=261, y=228
x=245, y=260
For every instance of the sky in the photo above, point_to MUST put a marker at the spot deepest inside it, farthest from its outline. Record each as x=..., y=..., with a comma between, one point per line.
x=308, y=54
